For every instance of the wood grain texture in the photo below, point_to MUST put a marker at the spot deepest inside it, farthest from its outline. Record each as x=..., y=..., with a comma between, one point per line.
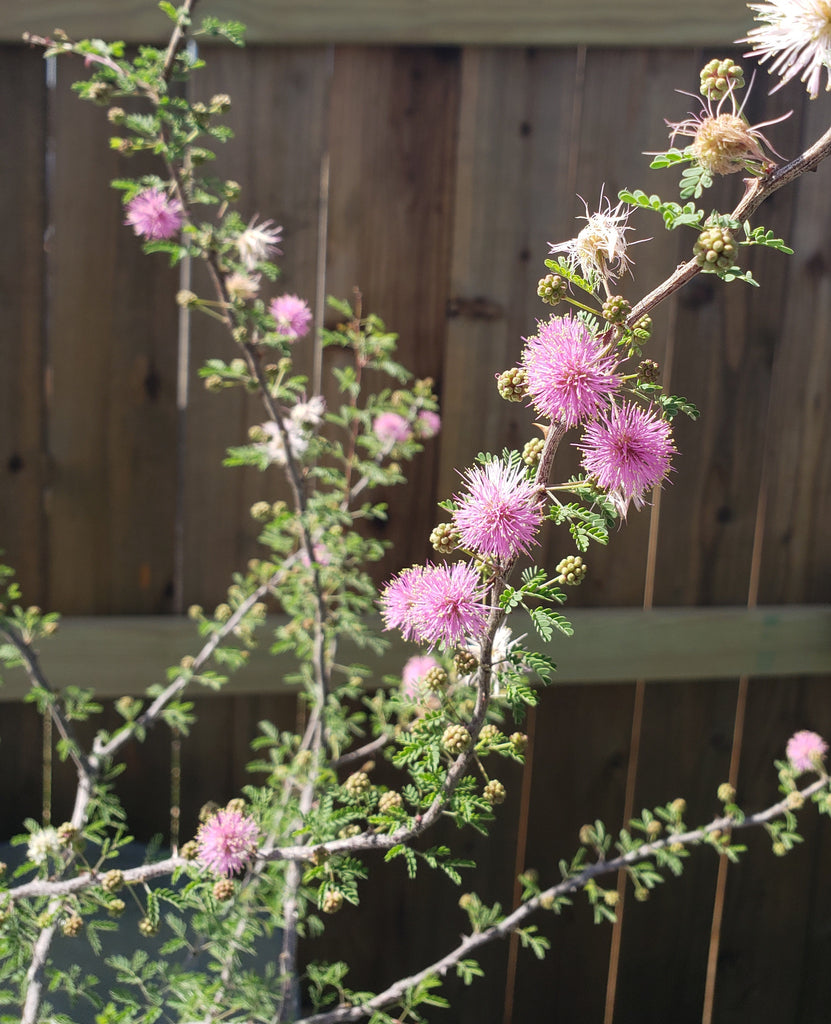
x=646, y=23
x=392, y=147
x=22, y=412
x=279, y=117
x=112, y=371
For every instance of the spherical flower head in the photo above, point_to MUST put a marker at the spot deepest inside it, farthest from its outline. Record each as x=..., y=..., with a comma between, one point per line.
x=435, y=603
x=500, y=649
x=398, y=600
x=227, y=841
x=154, y=215
x=600, y=248
x=628, y=451
x=257, y=242
x=413, y=673
x=499, y=514
x=292, y=316
x=449, y=605
x=796, y=34
x=242, y=287
x=570, y=372
x=805, y=751
x=390, y=428
x=428, y=423
x=44, y=843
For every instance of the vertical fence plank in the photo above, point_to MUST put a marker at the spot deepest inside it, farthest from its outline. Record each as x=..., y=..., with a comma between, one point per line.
x=720, y=360
x=112, y=364
x=22, y=208
x=773, y=928
x=392, y=150
x=279, y=118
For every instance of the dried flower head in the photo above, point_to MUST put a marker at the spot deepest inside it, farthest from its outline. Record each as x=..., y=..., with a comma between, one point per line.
x=242, y=287
x=806, y=750
x=227, y=841
x=796, y=34
x=257, y=242
x=724, y=142
x=154, y=215
x=570, y=372
x=600, y=248
x=628, y=451
x=499, y=515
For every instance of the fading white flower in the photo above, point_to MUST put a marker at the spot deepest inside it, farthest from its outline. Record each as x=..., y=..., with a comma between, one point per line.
x=257, y=242
x=796, y=34
x=43, y=844
x=600, y=248
x=242, y=287
x=274, y=446
x=309, y=413
x=500, y=650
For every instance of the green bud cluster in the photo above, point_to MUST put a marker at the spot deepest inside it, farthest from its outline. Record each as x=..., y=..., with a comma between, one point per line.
x=552, y=288
x=67, y=834
x=189, y=850
x=116, y=907
x=494, y=792
x=488, y=734
x=435, y=679
x=147, y=928
x=532, y=451
x=616, y=309
x=390, y=801
x=465, y=663
x=513, y=384
x=726, y=793
x=357, y=784
x=72, y=925
x=445, y=538
x=715, y=249
x=648, y=371
x=332, y=902
x=718, y=77
x=223, y=890
x=349, y=831
x=112, y=881
x=519, y=741
x=455, y=739
x=572, y=571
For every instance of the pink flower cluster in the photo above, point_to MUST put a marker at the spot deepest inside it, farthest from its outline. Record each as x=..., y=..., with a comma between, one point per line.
x=390, y=428
x=572, y=379
x=292, y=316
x=499, y=515
x=154, y=215
x=413, y=673
x=436, y=603
x=227, y=841
x=806, y=750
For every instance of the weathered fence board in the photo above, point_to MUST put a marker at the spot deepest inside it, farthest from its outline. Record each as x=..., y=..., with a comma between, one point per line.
x=557, y=23
x=433, y=179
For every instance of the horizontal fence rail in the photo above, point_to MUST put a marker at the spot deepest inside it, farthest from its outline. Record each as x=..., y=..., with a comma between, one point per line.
x=522, y=22
x=118, y=655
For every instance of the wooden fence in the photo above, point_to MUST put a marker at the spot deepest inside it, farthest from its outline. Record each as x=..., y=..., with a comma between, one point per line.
x=434, y=177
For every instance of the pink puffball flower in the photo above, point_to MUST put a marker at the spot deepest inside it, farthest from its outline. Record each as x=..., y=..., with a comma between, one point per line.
x=413, y=673
x=427, y=423
x=227, y=841
x=390, y=428
x=500, y=512
x=628, y=451
x=449, y=604
x=292, y=316
x=398, y=600
x=570, y=373
x=805, y=751
x=153, y=214
x=435, y=603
